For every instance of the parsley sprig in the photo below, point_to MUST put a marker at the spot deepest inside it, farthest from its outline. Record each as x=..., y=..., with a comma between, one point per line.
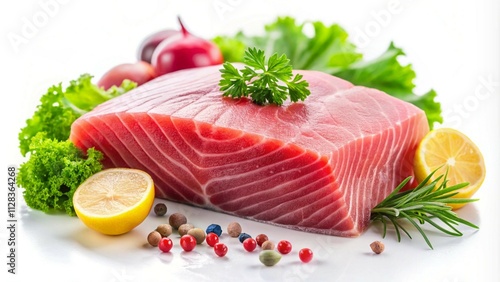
x=426, y=203
x=264, y=82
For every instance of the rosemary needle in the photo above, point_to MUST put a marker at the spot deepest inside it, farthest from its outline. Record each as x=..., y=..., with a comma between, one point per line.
x=426, y=203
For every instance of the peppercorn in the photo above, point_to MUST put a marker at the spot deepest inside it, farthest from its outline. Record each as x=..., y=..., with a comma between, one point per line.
x=269, y=258
x=197, y=233
x=214, y=228
x=212, y=239
x=243, y=237
x=284, y=247
x=234, y=229
x=306, y=255
x=164, y=229
x=268, y=245
x=377, y=247
x=261, y=238
x=220, y=249
x=183, y=229
x=177, y=219
x=160, y=209
x=154, y=238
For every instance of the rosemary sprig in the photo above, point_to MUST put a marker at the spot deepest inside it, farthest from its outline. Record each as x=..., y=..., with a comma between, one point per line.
x=423, y=204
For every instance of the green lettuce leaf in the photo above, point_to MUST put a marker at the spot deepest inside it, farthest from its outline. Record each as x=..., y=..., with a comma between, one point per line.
x=59, y=108
x=387, y=74
x=328, y=49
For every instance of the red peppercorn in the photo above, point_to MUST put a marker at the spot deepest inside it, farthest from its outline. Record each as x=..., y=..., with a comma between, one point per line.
x=261, y=238
x=188, y=242
x=165, y=244
x=249, y=244
x=220, y=249
x=305, y=255
x=284, y=247
x=212, y=239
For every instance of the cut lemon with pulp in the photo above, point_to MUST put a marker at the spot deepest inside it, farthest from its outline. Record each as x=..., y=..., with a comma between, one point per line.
x=447, y=148
x=114, y=201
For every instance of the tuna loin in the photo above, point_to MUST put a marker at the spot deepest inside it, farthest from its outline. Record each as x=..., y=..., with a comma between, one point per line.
x=318, y=166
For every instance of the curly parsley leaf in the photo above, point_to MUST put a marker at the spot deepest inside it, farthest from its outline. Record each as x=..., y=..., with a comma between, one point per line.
x=233, y=83
x=265, y=82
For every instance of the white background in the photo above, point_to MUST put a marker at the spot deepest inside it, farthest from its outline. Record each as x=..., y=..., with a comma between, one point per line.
x=453, y=46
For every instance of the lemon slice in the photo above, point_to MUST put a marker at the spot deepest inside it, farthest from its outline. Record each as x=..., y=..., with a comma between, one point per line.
x=114, y=201
x=450, y=149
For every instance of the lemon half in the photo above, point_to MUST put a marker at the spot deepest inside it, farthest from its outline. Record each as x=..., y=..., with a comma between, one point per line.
x=450, y=149
x=114, y=201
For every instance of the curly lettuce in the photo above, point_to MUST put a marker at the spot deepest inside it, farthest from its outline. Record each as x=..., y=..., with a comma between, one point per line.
x=53, y=172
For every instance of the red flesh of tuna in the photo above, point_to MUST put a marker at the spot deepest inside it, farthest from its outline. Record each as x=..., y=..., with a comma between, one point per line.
x=319, y=166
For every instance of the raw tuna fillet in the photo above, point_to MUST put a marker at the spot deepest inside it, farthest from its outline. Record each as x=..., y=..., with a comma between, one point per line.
x=319, y=166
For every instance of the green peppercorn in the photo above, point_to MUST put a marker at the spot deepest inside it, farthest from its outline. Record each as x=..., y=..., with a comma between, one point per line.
x=269, y=258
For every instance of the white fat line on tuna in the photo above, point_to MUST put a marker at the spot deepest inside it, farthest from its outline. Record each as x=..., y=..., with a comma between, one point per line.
x=281, y=186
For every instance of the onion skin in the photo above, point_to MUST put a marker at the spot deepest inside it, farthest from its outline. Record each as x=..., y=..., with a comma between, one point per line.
x=184, y=51
x=139, y=72
x=149, y=44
